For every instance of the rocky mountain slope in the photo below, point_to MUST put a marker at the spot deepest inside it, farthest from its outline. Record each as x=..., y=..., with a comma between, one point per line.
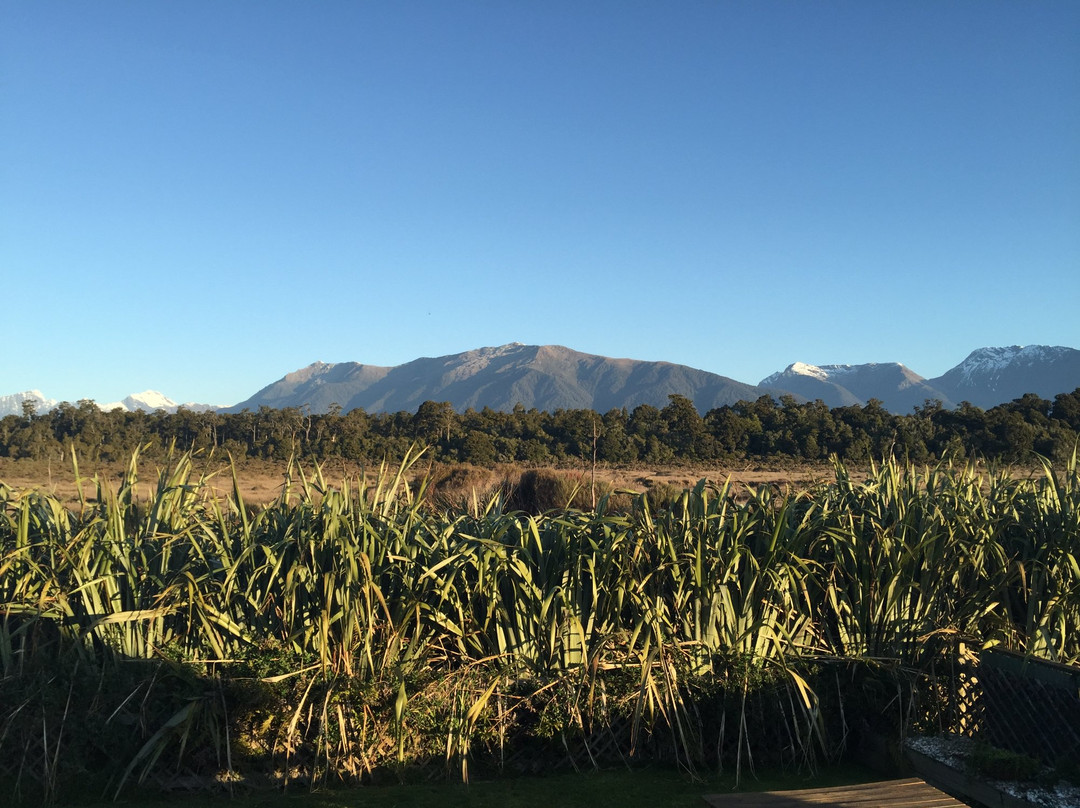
x=550, y=377
x=546, y=377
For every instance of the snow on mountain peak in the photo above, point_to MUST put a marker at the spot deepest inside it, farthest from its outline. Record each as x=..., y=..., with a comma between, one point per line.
x=796, y=369
x=820, y=372
x=990, y=361
x=13, y=404
x=147, y=401
x=150, y=400
x=804, y=369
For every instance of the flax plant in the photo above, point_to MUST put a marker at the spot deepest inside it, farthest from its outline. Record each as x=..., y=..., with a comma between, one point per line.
x=1045, y=554
x=380, y=632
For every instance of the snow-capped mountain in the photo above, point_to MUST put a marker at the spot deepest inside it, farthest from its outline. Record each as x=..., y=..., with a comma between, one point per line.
x=986, y=378
x=991, y=376
x=151, y=401
x=13, y=404
x=896, y=386
x=147, y=401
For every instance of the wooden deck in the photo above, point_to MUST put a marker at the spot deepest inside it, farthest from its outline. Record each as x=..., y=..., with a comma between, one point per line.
x=910, y=792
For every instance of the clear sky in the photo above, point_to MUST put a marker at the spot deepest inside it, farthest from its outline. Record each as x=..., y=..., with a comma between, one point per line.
x=199, y=197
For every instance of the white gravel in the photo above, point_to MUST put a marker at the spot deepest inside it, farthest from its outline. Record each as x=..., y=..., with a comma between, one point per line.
x=953, y=751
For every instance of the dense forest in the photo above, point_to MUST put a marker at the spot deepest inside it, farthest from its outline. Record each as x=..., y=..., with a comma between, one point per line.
x=677, y=433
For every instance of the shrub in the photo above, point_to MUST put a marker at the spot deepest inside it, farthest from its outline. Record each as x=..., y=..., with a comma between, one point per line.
x=1000, y=764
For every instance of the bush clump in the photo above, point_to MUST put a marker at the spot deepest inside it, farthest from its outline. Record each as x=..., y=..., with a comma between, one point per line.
x=1001, y=764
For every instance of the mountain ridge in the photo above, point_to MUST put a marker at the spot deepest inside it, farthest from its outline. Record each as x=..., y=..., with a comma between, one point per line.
x=550, y=377
x=895, y=385
x=545, y=377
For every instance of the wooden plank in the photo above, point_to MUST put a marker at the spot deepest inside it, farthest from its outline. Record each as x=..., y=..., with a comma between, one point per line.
x=910, y=792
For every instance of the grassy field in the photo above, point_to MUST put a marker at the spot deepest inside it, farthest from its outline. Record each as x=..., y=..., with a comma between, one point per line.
x=261, y=481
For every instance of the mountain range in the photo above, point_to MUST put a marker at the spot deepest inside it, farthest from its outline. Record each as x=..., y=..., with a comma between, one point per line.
x=550, y=377
x=986, y=378
x=147, y=401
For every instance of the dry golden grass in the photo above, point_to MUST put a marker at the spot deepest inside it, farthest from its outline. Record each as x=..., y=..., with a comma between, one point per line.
x=261, y=482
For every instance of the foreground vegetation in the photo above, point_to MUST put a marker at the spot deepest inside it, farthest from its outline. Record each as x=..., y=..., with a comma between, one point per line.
x=351, y=632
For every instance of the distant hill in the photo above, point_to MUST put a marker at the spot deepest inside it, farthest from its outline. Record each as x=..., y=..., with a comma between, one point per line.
x=545, y=377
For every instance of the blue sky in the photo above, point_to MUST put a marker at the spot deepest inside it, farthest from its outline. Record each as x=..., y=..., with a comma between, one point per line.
x=200, y=197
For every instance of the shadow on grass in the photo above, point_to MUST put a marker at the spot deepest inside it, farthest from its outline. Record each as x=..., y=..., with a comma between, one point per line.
x=637, y=788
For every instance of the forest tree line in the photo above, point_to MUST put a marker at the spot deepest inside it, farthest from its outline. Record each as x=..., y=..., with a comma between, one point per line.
x=677, y=433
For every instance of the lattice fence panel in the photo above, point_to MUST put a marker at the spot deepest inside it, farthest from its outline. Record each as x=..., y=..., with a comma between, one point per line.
x=951, y=699
x=1030, y=706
